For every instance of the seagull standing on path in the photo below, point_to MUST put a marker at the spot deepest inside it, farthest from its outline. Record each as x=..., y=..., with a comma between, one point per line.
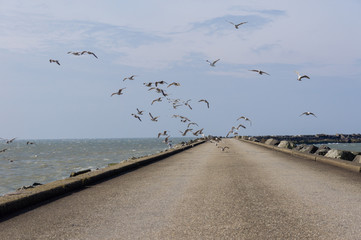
x=237, y=25
x=259, y=71
x=308, y=113
x=212, y=64
x=299, y=77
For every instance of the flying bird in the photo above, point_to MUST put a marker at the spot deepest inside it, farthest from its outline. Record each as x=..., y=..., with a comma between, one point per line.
x=237, y=25
x=164, y=133
x=90, y=53
x=54, y=61
x=259, y=71
x=174, y=84
x=160, y=82
x=240, y=125
x=119, y=92
x=140, y=112
x=308, y=113
x=10, y=140
x=156, y=100
x=130, y=78
x=299, y=77
x=212, y=64
x=3, y=150
x=204, y=100
x=187, y=104
x=136, y=116
x=245, y=118
x=154, y=119
x=75, y=53
x=185, y=132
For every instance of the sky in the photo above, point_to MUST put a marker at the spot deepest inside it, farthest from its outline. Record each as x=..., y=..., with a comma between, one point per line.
x=166, y=40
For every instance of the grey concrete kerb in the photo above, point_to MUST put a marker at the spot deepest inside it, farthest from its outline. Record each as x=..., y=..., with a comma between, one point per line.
x=29, y=197
x=332, y=161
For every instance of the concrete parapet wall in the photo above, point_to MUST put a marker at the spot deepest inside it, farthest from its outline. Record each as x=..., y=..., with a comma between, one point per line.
x=349, y=165
x=27, y=197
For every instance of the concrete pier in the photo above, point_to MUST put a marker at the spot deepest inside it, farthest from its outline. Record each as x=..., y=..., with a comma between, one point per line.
x=244, y=192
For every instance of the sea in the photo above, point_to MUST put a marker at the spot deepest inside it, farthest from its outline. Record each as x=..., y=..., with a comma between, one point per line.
x=25, y=162
x=352, y=147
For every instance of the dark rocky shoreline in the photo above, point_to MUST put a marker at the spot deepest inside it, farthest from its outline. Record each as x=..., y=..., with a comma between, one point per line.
x=313, y=139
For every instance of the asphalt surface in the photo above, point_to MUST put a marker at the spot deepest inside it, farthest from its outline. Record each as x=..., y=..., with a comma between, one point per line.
x=244, y=192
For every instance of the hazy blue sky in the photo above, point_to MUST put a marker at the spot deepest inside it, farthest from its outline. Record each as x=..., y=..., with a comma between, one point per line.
x=171, y=41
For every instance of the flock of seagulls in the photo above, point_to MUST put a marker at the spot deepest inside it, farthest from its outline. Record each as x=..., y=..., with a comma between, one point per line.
x=176, y=103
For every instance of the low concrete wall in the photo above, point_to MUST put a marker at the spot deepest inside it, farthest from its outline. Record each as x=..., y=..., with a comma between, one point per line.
x=349, y=165
x=29, y=197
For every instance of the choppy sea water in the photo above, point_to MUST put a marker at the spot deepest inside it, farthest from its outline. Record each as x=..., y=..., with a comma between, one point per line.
x=45, y=161
x=352, y=147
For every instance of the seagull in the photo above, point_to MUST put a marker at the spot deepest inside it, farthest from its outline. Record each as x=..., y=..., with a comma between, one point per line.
x=223, y=148
x=29, y=143
x=259, y=71
x=212, y=64
x=164, y=133
x=185, y=132
x=91, y=53
x=245, y=118
x=160, y=82
x=174, y=83
x=140, y=112
x=299, y=77
x=192, y=123
x=308, y=113
x=10, y=140
x=119, y=92
x=55, y=61
x=3, y=150
x=130, y=78
x=148, y=84
x=156, y=100
x=187, y=104
x=200, y=131
x=136, y=116
x=204, y=100
x=75, y=53
x=240, y=125
x=237, y=25
x=154, y=119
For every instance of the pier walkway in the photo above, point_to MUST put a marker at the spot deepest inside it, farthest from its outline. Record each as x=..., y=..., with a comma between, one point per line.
x=244, y=192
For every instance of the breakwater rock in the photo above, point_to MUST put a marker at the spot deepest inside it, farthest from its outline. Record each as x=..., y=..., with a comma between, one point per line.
x=313, y=139
x=310, y=149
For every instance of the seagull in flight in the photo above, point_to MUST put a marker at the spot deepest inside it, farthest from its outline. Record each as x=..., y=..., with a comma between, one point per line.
x=136, y=116
x=259, y=71
x=204, y=100
x=154, y=119
x=237, y=25
x=130, y=78
x=299, y=77
x=245, y=118
x=140, y=112
x=308, y=113
x=54, y=61
x=91, y=53
x=212, y=64
x=119, y=92
x=174, y=83
x=75, y=53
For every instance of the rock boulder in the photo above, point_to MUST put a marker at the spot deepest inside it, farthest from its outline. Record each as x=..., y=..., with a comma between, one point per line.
x=286, y=144
x=272, y=142
x=345, y=155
